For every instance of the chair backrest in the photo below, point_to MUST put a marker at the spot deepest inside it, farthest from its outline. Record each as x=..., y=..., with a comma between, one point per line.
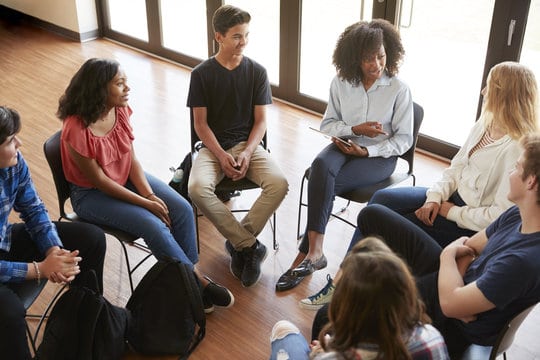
x=417, y=122
x=51, y=148
x=507, y=334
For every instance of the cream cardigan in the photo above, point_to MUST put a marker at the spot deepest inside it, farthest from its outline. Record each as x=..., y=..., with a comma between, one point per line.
x=481, y=180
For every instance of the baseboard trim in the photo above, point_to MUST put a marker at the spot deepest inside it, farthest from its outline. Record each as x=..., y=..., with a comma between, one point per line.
x=14, y=16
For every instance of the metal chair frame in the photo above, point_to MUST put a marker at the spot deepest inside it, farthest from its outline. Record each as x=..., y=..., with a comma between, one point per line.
x=28, y=291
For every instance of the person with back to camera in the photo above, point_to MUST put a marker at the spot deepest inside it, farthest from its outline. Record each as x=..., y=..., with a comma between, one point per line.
x=108, y=183
x=36, y=249
x=377, y=315
x=472, y=191
x=228, y=95
x=476, y=284
x=373, y=109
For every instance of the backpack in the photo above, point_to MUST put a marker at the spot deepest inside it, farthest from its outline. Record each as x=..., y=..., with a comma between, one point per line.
x=83, y=325
x=180, y=179
x=167, y=311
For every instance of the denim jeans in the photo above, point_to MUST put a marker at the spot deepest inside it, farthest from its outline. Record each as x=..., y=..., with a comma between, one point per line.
x=291, y=347
x=405, y=201
x=178, y=242
x=334, y=173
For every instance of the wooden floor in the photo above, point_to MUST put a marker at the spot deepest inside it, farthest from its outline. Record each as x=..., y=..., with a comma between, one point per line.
x=35, y=68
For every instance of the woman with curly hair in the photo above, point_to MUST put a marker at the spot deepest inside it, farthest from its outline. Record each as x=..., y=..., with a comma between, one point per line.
x=108, y=184
x=373, y=110
x=375, y=313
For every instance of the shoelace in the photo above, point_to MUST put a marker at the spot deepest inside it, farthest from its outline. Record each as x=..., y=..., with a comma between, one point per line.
x=329, y=285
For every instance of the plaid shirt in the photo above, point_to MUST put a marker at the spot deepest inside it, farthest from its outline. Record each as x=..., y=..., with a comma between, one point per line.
x=17, y=192
x=425, y=343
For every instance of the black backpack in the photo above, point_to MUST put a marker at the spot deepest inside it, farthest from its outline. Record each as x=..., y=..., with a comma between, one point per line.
x=83, y=325
x=167, y=311
x=181, y=184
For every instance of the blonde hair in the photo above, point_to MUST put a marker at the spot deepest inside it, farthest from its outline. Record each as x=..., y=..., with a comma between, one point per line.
x=512, y=99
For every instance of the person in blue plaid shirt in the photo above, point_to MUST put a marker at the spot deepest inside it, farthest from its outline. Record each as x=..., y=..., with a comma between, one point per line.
x=36, y=249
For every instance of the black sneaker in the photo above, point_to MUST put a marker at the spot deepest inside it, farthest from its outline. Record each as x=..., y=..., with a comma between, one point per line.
x=253, y=259
x=237, y=261
x=215, y=294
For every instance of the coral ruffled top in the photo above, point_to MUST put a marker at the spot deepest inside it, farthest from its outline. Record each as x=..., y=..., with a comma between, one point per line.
x=112, y=151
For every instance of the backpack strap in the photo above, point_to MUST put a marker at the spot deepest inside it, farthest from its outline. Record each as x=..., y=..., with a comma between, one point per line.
x=197, y=308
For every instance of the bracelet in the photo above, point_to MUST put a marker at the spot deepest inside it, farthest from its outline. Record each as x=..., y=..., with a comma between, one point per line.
x=147, y=196
x=38, y=273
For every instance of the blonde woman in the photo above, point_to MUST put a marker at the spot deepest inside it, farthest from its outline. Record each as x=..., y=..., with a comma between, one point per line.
x=471, y=193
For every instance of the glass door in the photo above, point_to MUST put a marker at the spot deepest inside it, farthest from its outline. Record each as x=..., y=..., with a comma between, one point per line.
x=530, y=52
x=445, y=48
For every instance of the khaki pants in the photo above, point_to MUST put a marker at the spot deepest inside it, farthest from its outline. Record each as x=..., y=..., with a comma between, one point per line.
x=263, y=171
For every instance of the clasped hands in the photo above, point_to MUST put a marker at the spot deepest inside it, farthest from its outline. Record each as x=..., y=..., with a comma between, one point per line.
x=60, y=265
x=235, y=169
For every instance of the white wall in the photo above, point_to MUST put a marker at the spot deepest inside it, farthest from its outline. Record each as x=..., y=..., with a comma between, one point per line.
x=75, y=15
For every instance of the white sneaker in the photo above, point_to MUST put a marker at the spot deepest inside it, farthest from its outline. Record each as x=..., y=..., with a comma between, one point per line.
x=315, y=302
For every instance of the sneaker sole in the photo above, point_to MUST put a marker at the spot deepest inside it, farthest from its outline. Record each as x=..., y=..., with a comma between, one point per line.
x=209, y=310
x=308, y=306
x=260, y=274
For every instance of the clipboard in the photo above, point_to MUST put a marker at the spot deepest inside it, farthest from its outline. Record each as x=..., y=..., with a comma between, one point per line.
x=346, y=143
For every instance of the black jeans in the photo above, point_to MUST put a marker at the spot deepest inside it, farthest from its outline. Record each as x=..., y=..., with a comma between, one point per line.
x=88, y=239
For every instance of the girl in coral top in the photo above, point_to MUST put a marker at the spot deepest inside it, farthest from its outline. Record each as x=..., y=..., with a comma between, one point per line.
x=108, y=184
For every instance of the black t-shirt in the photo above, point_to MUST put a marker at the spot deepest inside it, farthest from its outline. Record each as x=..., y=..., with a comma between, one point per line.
x=230, y=97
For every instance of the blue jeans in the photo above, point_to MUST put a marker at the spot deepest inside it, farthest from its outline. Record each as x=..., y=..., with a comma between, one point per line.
x=405, y=201
x=178, y=242
x=334, y=173
x=293, y=345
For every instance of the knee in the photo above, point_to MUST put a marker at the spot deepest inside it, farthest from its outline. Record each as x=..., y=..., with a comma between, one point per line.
x=383, y=197
x=283, y=328
x=370, y=214
x=277, y=187
x=319, y=166
x=199, y=190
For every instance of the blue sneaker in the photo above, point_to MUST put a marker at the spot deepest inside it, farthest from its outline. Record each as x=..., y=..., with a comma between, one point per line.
x=315, y=302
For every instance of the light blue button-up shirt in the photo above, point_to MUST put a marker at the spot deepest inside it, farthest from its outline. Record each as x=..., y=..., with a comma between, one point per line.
x=387, y=101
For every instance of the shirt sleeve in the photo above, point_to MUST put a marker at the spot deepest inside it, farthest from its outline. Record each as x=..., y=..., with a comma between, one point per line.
x=402, y=128
x=33, y=212
x=448, y=184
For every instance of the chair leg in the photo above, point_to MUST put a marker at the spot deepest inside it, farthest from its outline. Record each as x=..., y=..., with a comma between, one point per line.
x=275, y=244
x=196, y=216
x=128, y=266
x=300, y=204
x=34, y=337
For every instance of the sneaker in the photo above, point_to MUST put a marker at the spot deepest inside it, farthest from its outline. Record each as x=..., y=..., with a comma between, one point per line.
x=215, y=294
x=237, y=261
x=324, y=296
x=253, y=259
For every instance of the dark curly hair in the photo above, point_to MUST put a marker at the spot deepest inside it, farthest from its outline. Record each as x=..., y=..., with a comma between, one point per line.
x=10, y=123
x=86, y=94
x=363, y=39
